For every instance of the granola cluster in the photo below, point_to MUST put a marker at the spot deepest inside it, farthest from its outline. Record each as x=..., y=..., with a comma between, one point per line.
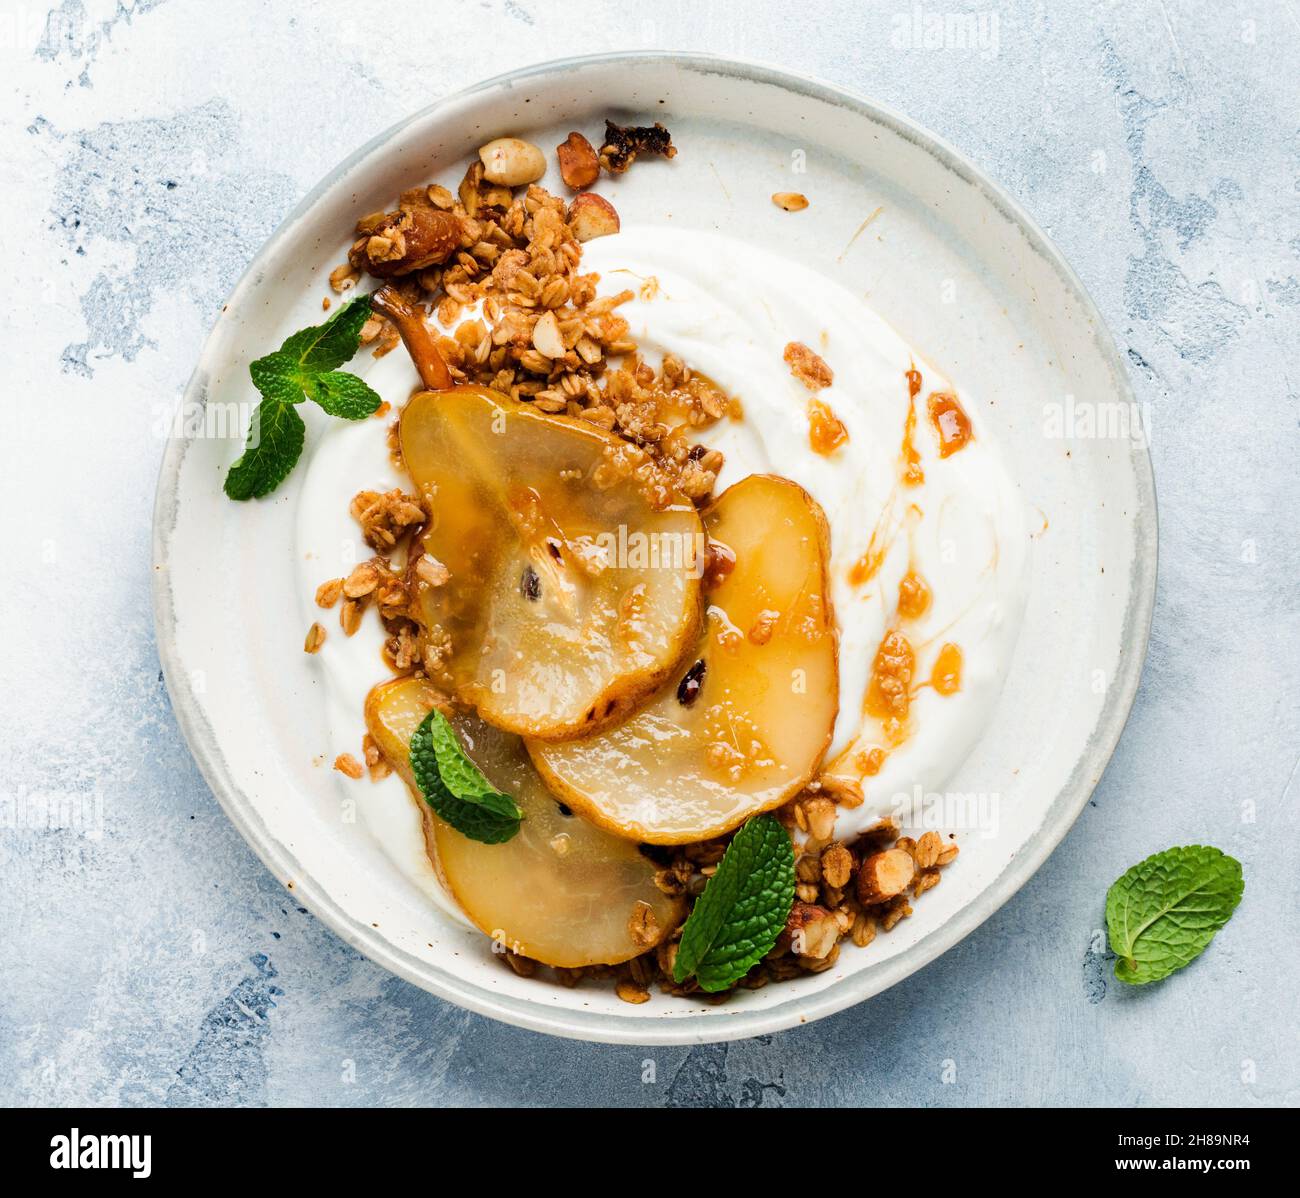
x=516, y=312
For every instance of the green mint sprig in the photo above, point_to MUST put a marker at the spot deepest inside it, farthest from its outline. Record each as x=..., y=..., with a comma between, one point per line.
x=456, y=788
x=304, y=367
x=1163, y=913
x=743, y=909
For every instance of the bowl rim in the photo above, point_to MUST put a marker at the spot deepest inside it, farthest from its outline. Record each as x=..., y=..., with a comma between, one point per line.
x=724, y=1025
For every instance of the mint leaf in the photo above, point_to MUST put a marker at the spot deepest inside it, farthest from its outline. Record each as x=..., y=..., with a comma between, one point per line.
x=303, y=367
x=456, y=788
x=275, y=439
x=1164, y=911
x=276, y=377
x=343, y=394
x=327, y=346
x=743, y=909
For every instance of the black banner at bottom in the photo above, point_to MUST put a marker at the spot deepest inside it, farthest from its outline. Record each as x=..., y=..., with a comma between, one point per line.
x=343, y=1146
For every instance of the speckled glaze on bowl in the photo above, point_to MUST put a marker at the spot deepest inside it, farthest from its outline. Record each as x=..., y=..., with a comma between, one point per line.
x=949, y=259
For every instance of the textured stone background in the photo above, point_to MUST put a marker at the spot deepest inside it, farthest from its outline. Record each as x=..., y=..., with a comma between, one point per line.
x=148, y=148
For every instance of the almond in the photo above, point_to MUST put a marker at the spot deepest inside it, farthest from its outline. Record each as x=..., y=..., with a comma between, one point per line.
x=579, y=166
x=546, y=336
x=592, y=216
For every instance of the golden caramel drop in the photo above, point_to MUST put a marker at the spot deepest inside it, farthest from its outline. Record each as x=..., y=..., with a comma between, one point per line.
x=950, y=422
x=946, y=675
x=826, y=432
x=869, y=761
x=889, y=694
x=913, y=596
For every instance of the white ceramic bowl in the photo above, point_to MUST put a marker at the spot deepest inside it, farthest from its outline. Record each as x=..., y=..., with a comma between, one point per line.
x=950, y=260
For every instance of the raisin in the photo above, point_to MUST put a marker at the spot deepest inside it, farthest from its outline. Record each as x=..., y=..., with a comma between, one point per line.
x=689, y=688
x=531, y=585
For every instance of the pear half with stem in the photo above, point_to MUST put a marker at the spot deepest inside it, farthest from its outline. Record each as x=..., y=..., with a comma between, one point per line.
x=746, y=724
x=569, y=597
x=560, y=891
x=563, y=585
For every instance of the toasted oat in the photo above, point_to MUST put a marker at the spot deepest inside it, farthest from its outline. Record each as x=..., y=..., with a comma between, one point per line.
x=808, y=367
x=345, y=763
x=836, y=865
x=631, y=992
x=430, y=570
x=927, y=850
x=344, y=278
x=846, y=792
x=363, y=579
x=315, y=639
x=327, y=594
x=350, y=616
x=790, y=201
x=642, y=926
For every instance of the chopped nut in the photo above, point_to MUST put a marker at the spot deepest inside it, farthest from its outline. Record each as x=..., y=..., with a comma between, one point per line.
x=812, y=930
x=345, y=763
x=592, y=216
x=579, y=166
x=807, y=366
x=315, y=639
x=409, y=239
x=512, y=162
x=884, y=875
x=547, y=338
x=791, y=201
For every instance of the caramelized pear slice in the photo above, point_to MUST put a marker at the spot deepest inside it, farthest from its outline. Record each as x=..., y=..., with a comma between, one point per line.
x=571, y=598
x=745, y=726
x=560, y=891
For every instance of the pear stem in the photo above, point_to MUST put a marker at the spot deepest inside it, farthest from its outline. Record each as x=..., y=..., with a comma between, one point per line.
x=429, y=363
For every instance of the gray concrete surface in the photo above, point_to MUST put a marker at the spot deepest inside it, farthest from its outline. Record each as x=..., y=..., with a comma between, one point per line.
x=148, y=148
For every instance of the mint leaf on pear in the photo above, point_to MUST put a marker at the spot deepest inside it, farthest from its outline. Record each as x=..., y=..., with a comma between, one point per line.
x=327, y=346
x=275, y=440
x=743, y=909
x=455, y=787
x=343, y=394
x=1163, y=913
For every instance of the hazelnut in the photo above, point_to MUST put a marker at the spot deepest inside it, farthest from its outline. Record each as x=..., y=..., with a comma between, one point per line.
x=592, y=216
x=579, y=166
x=512, y=162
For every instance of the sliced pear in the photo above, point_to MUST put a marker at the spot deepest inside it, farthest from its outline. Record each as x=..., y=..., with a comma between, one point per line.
x=745, y=726
x=571, y=597
x=560, y=891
